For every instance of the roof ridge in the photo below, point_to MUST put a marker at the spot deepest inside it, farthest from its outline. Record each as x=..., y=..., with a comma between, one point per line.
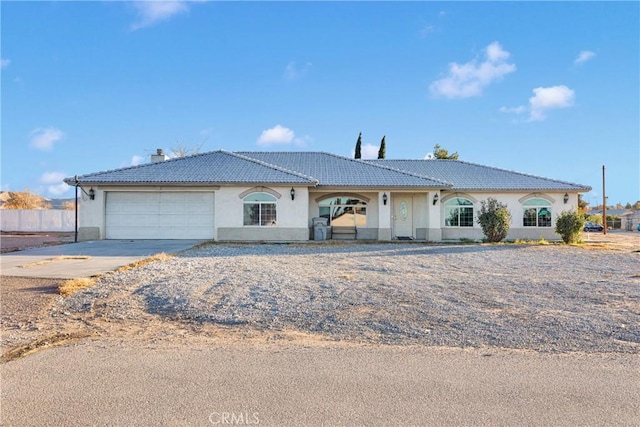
x=448, y=184
x=272, y=166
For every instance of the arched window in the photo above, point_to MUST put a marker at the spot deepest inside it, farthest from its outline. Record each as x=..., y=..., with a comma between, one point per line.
x=537, y=213
x=458, y=212
x=259, y=209
x=344, y=211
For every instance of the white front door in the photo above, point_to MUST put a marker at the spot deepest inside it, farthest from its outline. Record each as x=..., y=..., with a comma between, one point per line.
x=402, y=216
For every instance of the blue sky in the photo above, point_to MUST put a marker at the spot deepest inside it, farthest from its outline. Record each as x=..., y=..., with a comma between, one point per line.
x=550, y=88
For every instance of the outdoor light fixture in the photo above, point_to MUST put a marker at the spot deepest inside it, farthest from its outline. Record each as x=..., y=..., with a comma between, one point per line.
x=435, y=199
x=293, y=193
x=384, y=199
x=566, y=198
x=92, y=194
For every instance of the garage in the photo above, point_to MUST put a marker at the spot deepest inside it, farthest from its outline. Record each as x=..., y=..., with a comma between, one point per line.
x=159, y=215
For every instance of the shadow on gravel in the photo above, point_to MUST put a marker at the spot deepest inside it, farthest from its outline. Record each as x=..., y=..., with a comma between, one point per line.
x=389, y=249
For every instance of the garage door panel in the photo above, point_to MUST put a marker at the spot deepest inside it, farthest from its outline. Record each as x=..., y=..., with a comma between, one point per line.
x=159, y=215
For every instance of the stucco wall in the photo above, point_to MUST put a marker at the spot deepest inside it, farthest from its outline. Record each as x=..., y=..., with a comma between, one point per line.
x=514, y=203
x=291, y=215
x=294, y=217
x=29, y=220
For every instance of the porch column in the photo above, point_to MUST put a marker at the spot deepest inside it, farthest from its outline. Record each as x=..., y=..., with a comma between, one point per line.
x=434, y=218
x=384, y=216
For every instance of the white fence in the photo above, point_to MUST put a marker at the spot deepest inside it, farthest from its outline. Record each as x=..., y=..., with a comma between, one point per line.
x=51, y=220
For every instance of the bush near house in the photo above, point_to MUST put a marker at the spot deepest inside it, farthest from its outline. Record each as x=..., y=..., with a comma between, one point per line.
x=494, y=219
x=569, y=224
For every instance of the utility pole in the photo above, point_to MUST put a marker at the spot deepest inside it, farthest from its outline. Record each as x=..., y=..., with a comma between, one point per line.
x=604, y=205
x=75, y=239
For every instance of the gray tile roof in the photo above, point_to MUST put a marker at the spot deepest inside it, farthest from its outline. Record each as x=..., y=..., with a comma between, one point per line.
x=471, y=176
x=333, y=170
x=216, y=167
x=323, y=169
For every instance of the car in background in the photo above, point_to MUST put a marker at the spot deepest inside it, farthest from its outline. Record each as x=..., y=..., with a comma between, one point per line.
x=592, y=226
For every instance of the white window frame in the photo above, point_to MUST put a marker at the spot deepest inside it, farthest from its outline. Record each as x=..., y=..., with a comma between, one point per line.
x=537, y=203
x=265, y=218
x=448, y=204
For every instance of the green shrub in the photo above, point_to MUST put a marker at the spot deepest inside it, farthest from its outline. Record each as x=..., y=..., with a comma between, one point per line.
x=494, y=219
x=569, y=224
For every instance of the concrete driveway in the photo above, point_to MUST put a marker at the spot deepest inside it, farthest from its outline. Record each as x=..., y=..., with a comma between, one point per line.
x=85, y=259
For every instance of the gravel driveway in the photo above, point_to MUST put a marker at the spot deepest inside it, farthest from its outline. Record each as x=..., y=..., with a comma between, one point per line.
x=546, y=298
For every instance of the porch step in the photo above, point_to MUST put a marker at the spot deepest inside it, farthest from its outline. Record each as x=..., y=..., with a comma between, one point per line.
x=344, y=233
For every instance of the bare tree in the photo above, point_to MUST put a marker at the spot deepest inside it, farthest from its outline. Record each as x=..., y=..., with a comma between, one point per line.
x=180, y=149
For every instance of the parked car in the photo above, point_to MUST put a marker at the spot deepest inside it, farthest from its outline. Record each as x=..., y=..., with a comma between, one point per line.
x=592, y=226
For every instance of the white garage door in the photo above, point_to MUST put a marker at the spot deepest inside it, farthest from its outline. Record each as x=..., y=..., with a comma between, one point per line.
x=160, y=215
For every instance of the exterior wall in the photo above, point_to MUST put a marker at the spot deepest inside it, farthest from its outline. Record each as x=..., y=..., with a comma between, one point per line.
x=52, y=220
x=91, y=216
x=291, y=216
x=294, y=217
x=514, y=204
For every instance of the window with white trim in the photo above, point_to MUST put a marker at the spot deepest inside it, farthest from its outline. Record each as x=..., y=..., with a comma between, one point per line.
x=458, y=212
x=344, y=211
x=537, y=213
x=259, y=210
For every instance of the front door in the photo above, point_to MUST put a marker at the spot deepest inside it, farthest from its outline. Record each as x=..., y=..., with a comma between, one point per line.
x=402, y=217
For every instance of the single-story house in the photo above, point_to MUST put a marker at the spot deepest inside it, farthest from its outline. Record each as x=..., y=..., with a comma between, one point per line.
x=626, y=219
x=277, y=196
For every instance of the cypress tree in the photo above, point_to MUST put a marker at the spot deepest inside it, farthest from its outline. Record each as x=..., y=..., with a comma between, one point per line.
x=382, y=152
x=359, y=147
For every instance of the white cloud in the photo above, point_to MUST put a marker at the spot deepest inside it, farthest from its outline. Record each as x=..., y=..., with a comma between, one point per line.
x=4, y=62
x=52, y=177
x=544, y=98
x=54, y=183
x=43, y=139
x=369, y=151
x=467, y=80
x=153, y=12
x=515, y=110
x=584, y=56
x=136, y=160
x=281, y=135
x=292, y=71
x=276, y=135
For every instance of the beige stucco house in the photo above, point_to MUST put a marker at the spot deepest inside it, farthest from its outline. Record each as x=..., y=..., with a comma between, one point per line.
x=275, y=196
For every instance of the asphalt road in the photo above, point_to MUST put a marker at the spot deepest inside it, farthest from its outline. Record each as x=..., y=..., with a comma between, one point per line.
x=102, y=383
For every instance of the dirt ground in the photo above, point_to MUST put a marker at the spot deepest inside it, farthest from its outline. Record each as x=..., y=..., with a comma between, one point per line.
x=11, y=242
x=25, y=302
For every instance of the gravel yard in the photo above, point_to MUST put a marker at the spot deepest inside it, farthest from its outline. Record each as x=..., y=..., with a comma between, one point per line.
x=547, y=298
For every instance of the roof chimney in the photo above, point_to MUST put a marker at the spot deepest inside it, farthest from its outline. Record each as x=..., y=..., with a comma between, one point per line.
x=159, y=156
